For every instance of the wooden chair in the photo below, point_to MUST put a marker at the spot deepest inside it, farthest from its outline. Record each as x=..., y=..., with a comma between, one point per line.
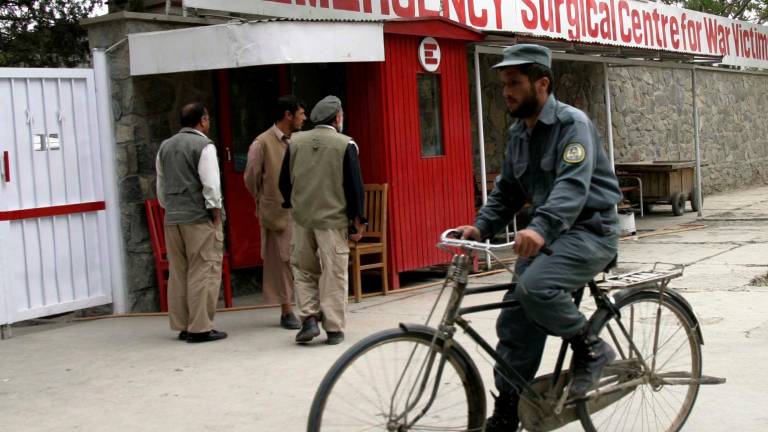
x=374, y=241
x=155, y=220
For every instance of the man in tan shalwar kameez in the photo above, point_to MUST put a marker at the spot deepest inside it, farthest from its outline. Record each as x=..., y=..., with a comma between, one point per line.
x=265, y=157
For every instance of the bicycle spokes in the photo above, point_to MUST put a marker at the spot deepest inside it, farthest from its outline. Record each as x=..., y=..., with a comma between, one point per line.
x=400, y=385
x=655, y=381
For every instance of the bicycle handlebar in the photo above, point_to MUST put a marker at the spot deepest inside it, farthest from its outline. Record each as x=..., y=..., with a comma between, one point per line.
x=452, y=237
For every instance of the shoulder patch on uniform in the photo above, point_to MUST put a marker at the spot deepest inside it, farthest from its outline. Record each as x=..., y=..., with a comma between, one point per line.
x=574, y=153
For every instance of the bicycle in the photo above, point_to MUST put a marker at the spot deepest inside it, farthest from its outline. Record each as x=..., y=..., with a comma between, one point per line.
x=418, y=378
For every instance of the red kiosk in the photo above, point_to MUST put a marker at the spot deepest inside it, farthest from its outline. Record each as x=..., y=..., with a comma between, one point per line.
x=410, y=117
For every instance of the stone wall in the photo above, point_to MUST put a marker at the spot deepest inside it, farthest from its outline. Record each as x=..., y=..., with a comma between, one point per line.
x=652, y=116
x=146, y=112
x=734, y=129
x=150, y=108
x=496, y=120
x=653, y=120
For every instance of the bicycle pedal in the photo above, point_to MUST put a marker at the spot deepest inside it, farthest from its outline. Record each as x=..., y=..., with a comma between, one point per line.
x=561, y=403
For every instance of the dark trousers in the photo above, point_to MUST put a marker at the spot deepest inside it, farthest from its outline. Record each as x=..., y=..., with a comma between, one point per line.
x=542, y=288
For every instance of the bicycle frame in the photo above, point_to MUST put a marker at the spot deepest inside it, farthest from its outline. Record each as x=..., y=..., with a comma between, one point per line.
x=453, y=316
x=457, y=275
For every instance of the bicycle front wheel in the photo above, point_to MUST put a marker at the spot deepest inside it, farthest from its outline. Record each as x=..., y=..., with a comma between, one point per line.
x=387, y=382
x=665, y=335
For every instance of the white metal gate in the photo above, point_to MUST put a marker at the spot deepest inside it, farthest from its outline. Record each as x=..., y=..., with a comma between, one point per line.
x=54, y=243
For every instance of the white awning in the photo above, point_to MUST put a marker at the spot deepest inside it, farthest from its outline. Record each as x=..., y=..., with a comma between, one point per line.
x=255, y=43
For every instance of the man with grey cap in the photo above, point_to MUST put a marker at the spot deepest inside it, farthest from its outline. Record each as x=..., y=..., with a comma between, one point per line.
x=320, y=180
x=555, y=162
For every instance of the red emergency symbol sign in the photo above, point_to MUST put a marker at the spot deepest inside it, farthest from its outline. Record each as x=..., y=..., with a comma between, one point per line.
x=429, y=54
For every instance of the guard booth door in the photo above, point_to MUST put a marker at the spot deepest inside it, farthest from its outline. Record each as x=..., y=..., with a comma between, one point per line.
x=247, y=97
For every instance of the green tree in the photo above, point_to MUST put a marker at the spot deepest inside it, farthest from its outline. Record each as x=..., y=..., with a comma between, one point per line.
x=44, y=33
x=744, y=10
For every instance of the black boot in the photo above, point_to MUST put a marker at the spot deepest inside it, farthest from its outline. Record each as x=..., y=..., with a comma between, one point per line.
x=309, y=330
x=209, y=336
x=289, y=321
x=504, y=418
x=590, y=355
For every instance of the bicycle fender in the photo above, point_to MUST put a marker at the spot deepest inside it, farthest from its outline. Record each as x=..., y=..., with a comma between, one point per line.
x=424, y=329
x=687, y=307
x=431, y=331
x=675, y=297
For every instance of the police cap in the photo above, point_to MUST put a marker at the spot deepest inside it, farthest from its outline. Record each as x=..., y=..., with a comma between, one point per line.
x=525, y=54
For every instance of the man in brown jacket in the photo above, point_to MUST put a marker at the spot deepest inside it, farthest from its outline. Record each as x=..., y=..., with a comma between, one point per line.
x=265, y=157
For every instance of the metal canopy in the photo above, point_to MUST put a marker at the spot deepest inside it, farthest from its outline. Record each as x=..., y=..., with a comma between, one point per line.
x=616, y=53
x=610, y=56
x=255, y=43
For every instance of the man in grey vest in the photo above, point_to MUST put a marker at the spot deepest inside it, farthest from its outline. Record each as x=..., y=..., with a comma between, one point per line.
x=265, y=159
x=188, y=188
x=554, y=161
x=320, y=179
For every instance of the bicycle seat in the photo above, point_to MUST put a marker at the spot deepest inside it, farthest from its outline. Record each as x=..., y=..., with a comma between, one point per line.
x=611, y=264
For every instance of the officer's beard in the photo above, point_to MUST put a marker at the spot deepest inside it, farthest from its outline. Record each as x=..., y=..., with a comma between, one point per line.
x=527, y=108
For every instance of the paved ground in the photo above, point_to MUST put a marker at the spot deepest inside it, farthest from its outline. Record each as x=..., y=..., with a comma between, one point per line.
x=130, y=374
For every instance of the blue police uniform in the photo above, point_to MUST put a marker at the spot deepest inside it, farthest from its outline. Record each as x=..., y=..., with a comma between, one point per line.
x=560, y=168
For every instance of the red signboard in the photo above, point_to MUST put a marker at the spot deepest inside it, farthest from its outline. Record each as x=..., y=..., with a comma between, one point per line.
x=648, y=25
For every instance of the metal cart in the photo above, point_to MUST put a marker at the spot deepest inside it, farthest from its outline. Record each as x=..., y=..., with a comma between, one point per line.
x=663, y=182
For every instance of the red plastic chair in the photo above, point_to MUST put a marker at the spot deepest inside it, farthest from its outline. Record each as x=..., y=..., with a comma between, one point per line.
x=155, y=219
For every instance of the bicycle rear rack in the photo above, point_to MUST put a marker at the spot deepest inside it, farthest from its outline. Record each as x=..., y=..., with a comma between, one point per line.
x=640, y=278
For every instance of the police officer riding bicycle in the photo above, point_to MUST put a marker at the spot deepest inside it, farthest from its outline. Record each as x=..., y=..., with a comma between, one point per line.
x=554, y=160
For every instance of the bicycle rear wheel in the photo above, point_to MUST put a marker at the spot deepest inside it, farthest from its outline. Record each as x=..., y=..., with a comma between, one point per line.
x=370, y=386
x=665, y=398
